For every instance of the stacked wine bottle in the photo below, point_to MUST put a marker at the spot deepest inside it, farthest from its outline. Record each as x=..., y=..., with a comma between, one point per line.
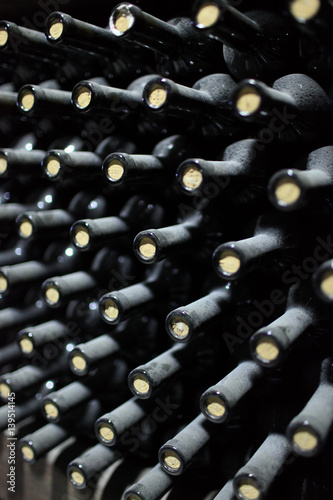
x=166, y=259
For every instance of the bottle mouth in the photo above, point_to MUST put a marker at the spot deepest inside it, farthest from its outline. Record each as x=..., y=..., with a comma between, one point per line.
x=227, y=263
x=54, y=27
x=304, y=10
x=171, y=461
x=27, y=452
x=52, y=165
x=145, y=247
x=4, y=36
x=266, y=350
x=25, y=227
x=214, y=408
x=78, y=363
x=156, y=94
x=80, y=236
x=110, y=310
x=5, y=390
x=285, y=191
x=247, y=101
x=190, y=176
x=26, y=344
x=248, y=489
x=3, y=283
x=50, y=410
x=140, y=385
x=105, y=432
x=304, y=440
x=114, y=169
x=326, y=285
x=82, y=97
x=207, y=15
x=121, y=20
x=26, y=99
x=77, y=477
x=3, y=163
x=179, y=327
x=51, y=294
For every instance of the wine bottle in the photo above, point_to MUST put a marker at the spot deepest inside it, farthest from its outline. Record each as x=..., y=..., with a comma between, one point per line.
x=323, y=282
x=257, y=44
x=144, y=380
x=70, y=397
x=235, y=259
x=83, y=470
x=154, y=245
x=152, y=486
x=185, y=323
x=25, y=379
x=218, y=402
x=89, y=355
x=87, y=234
x=35, y=445
x=242, y=163
x=269, y=345
x=177, y=453
x=296, y=106
x=36, y=100
x=176, y=40
x=32, y=339
x=208, y=102
x=308, y=431
x=293, y=189
x=255, y=478
x=119, y=167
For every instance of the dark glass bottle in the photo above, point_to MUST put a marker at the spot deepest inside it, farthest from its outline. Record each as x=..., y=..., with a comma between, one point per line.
x=219, y=401
x=309, y=430
x=255, y=478
x=207, y=102
x=180, y=50
x=257, y=44
x=293, y=189
x=295, y=107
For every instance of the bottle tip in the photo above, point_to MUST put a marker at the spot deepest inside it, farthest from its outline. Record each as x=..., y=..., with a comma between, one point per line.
x=4, y=390
x=207, y=15
x=82, y=97
x=248, y=490
x=171, y=461
x=147, y=248
x=287, y=192
x=305, y=439
x=56, y=29
x=111, y=310
x=51, y=411
x=191, y=178
x=156, y=96
x=180, y=329
x=141, y=384
x=25, y=228
x=52, y=295
x=121, y=20
x=81, y=237
x=3, y=163
x=304, y=10
x=248, y=101
x=26, y=345
x=3, y=283
x=52, y=166
x=267, y=350
x=326, y=284
x=106, y=433
x=27, y=452
x=3, y=36
x=229, y=262
x=26, y=100
x=78, y=363
x=77, y=478
x=215, y=407
x=115, y=170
